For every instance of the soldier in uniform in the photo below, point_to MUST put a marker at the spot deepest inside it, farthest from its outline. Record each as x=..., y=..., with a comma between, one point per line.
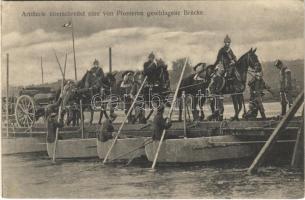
x=215, y=88
x=257, y=85
x=96, y=69
x=139, y=105
x=106, y=130
x=150, y=67
x=125, y=90
x=285, y=85
x=159, y=123
x=227, y=58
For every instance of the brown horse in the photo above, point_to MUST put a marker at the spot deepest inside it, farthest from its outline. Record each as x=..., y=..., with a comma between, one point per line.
x=249, y=59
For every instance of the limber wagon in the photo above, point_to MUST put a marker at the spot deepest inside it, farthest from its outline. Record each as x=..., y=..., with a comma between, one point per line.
x=31, y=103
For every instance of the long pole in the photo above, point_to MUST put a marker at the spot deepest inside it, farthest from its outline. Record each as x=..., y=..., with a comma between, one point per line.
x=169, y=115
x=298, y=143
x=41, y=70
x=262, y=154
x=59, y=65
x=126, y=117
x=75, y=70
x=60, y=107
x=65, y=66
x=7, y=90
x=56, y=136
x=184, y=113
x=81, y=118
x=110, y=60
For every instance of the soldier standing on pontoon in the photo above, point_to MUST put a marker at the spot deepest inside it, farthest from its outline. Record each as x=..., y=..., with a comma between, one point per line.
x=215, y=88
x=125, y=91
x=285, y=85
x=257, y=85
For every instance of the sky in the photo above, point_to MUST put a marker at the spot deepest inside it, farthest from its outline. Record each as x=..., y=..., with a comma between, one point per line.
x=274, y=27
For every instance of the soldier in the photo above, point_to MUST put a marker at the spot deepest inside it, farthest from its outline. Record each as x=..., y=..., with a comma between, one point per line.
x=215, y=88
x=257, y=85
x=140, y=104
x=52, y=125
x=227, y=58
x=225, y=54
x=150, y=67
x=98, y=74
x=285, y=85
x=96, y=69
x=106, y=130
x=163, y=75
x=159, y=123
x=125, y=90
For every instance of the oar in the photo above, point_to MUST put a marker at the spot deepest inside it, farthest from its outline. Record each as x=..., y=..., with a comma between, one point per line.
x=60, y=107
x=129, y=111
x=56, y=136
x=169, y=115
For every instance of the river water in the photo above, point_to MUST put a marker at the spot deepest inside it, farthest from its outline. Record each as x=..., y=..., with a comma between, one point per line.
x=34, y=176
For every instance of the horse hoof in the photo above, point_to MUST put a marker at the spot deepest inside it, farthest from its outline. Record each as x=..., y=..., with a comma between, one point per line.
x=234, y=119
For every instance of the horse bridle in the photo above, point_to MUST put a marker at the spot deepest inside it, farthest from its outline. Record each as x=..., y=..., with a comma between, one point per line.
x=250, y=61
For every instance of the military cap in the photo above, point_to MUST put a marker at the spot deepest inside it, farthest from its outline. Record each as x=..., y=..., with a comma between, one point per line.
x=227, y=39
x=151, y=55
x=95, y=62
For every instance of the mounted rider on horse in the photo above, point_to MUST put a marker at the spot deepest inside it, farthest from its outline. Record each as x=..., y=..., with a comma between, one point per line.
x=227, y=58
x=157, y=86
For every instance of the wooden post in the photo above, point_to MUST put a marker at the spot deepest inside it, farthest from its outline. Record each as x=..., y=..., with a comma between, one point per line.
x=169, y=115
x=81, y=118
x=110, y=60
x=120, y=128
x=298, y=143
x=184, y=113
x=7, y=93
x=266, y=148
x=41, y=70
x=75, y=70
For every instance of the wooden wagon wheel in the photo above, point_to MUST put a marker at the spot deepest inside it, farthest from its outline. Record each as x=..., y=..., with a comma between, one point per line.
x=25, y=111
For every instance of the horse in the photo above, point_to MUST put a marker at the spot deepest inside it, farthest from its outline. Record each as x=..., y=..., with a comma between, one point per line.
x=196, y=90
x=157, y=93
x=90, y=85
x=249, y=59
x=109, y=82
